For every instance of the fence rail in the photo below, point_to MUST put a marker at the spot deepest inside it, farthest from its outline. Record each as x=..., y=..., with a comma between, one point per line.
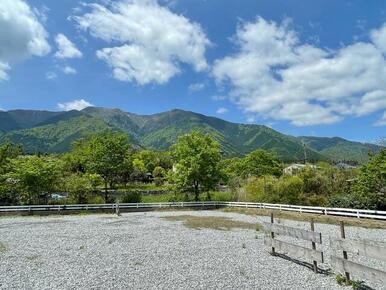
x=348, y=212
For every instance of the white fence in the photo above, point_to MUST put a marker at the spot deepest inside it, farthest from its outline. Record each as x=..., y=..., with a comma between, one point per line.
x=348, y=212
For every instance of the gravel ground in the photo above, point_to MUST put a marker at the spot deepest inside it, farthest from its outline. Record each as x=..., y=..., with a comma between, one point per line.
x=143, y=251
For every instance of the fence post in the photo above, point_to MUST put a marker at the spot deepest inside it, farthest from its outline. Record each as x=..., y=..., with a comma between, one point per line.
x=272, y=235
x=117, y=209
x=343, y=236
x=314, y=246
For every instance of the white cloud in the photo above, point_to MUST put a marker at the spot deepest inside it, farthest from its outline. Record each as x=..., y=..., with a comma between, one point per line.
x=275, y=76
x=66, y=49
x=196, y=87
x=68, y=70
x=21, y=35
x=152, y=40
x=74, y=105
x=222, y=110
x=51, y=75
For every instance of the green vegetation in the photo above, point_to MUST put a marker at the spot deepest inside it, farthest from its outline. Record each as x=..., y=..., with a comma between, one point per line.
x=54, y=132
x=197, y=166
x=342, y=280
x=107, y=167
x=212, y=222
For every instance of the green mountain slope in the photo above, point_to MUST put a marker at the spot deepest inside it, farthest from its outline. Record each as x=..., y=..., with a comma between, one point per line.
x=41, y=131
x=58, y=136
x=340, y=149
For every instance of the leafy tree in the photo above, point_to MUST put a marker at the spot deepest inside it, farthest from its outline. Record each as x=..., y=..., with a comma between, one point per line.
x=370, y=188
x=79, y=187
x=197, y=163
x=34, y=177
x=260, y=163
x=159, y=175
x=139, y=170
x=8, y=151
x=105, y=154
x=8, y=193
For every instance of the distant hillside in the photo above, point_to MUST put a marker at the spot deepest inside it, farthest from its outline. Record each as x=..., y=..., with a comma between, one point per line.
x=340, y=149
x=42, y=131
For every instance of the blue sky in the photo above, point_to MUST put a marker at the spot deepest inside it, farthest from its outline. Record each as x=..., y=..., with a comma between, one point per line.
x=302, y=67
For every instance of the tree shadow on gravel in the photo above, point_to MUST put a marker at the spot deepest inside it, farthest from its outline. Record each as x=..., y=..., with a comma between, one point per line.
x=304, y=264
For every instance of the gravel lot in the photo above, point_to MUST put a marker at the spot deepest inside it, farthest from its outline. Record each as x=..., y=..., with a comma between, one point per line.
x=143, y=251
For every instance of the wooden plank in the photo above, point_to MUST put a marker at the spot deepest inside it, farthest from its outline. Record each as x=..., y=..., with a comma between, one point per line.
x=371, y=249
x=357, y=270
x=298, y=251
x=294, y=232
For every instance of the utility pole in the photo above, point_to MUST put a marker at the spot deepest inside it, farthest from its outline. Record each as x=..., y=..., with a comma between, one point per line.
x=304, y=152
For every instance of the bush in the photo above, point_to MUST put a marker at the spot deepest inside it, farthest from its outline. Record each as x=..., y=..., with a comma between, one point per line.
x=218, y=196
x=95, y=199
x=131, y=197
x=289, y=189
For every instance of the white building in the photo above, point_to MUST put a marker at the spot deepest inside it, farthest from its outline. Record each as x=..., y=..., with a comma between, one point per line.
x=295, y=168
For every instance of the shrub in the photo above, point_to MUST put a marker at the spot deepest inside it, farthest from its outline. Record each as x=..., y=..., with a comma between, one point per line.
x=131, y=197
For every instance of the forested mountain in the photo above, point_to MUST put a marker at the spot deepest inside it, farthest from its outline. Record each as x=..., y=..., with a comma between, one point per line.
x=43, y=131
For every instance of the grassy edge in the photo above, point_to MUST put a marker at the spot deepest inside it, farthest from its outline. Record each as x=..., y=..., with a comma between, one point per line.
x=323, y=219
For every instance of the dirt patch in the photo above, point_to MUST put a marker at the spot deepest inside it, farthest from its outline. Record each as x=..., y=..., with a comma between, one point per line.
x=212, y=222
x=323, y=219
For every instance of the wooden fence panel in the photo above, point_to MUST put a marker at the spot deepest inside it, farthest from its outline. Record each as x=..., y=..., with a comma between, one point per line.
x=294, y=232
x=371, y=249
x=360, y=271
x=298, y=251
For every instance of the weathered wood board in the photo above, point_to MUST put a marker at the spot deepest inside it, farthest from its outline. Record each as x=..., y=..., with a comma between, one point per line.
x=298, y=251
x=294, y=232
x=357, y=270
x=371, y=249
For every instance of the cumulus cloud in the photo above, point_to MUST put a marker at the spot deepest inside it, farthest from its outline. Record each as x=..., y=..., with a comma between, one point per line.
x=276, y=76
x=222, y=110
x=74, y=105
x=21, y=33
x=196, y=87
x=150, y=41
x=68, y=70
x=66, y=48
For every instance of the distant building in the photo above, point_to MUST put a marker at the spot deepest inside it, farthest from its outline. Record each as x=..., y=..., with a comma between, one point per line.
x=295, y=168
x=343, y=165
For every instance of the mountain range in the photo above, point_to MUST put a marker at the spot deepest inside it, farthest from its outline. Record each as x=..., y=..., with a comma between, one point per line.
x=53, y=132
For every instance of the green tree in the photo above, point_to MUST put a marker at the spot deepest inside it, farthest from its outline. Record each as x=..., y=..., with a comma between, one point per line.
x=8, y=151
x=139, y=170
x=370, y=188
x=105, y=154
x=79, y=187
x=259, y=163
x=8, y=193
x=35, y=177
x=159, y=175
x=197, y=163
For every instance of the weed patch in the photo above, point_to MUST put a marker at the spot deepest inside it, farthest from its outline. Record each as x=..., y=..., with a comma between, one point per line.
x=211, y=222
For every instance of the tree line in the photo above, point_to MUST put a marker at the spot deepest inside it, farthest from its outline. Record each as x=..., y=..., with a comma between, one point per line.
x=100, y=165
